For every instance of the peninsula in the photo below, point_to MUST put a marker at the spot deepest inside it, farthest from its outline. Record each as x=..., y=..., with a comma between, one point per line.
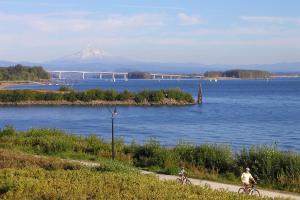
x=95, y=97
x=20, y=74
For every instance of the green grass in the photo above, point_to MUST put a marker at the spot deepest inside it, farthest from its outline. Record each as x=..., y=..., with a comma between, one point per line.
x=276, y=169
x=24, y=176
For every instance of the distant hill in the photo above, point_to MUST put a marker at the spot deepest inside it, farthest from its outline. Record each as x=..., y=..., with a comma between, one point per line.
x=23, y=73
x=91, y=59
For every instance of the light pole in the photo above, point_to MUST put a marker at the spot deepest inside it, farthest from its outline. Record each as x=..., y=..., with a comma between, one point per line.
x=113, y=114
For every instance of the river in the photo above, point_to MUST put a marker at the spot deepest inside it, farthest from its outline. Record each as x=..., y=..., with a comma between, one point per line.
x=240, y=113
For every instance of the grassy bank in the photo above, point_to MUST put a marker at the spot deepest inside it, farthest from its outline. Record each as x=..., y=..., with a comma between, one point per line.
x=95, y=97
x=276, y=169
x=25, y=176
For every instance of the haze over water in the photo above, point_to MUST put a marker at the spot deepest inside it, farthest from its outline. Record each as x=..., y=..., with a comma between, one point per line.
x=239, y=113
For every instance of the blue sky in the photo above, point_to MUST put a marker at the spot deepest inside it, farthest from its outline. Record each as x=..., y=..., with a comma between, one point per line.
x=204, y=31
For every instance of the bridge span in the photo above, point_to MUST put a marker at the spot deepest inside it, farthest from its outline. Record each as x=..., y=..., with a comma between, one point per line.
x=61, y=74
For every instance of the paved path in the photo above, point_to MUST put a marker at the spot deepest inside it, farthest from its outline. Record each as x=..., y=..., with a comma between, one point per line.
x=211, y=184
x=229, y=187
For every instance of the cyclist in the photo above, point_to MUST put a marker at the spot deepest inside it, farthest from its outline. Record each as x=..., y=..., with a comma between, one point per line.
x=246, y=178
x=182, y=174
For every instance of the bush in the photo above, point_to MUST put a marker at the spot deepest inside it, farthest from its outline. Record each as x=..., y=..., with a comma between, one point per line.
x=178, y=95
x=8, y=131
x=149, y=155
x=71, y=96
x=156, y=96
x=52, y=97
x=139, y=98
x=110, y=95
x=126, y=95
x=65, y=88
x=272, y=166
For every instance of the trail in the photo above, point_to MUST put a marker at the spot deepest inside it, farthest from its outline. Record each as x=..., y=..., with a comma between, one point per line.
x=211, y=184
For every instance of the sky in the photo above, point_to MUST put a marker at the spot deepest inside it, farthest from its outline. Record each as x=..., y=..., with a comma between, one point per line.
x=194, y=31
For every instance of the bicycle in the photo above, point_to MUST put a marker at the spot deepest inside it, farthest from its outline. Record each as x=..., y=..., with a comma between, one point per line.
x=251, y=191
x=184, y=180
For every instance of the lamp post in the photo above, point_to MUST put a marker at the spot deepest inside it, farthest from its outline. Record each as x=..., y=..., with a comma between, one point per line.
x=113, y=114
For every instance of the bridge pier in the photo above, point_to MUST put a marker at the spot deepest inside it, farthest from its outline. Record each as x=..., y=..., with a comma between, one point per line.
x=83, y=75
x=125, y=77
x=100, y=75
x=113, y=77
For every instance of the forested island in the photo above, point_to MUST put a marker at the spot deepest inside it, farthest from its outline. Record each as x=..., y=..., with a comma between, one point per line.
x=139, y=75
x=23, y=73
x=94, y=97
x=238, y=73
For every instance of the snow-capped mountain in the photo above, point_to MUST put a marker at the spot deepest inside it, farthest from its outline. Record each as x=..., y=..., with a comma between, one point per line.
x=87, y=55
x=94, y=59
x=90, y=59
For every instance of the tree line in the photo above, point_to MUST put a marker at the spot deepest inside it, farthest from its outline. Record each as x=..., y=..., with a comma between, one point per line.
x=23, y=73
x=238, y=73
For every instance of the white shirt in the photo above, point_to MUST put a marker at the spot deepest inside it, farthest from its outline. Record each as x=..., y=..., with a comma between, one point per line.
x=246, y=176
x=182, y=172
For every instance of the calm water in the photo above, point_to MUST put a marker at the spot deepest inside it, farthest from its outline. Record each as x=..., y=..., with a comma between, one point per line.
x=239, y=113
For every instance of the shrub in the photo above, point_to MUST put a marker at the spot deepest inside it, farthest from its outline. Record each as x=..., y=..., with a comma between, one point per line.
x=139, y=98
x=65, y=88
x=110, y=95
x=156, y=96
x=126, y=95
x=8, y=131
x=272, y=166
x=178, y=95
x=148, y=155
x=52, y=97
x=71, y=96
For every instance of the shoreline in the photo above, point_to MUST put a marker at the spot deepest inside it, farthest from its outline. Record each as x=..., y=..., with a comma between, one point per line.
x=5, y=84
x=97, y=103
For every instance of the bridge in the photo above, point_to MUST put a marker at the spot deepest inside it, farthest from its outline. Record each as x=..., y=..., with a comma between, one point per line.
x=83, y=74
x=285, y=76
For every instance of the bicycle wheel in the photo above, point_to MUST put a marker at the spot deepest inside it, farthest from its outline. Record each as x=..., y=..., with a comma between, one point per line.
x=255, y=192
x=178, y=180
x=242, y=191
x=188, y=182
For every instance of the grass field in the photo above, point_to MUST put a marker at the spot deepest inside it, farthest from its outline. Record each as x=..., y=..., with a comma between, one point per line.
x=277, y=169
x=25, y=176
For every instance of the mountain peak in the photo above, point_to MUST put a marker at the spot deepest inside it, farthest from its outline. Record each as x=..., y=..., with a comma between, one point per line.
x=87, y=54
x=92, y=53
